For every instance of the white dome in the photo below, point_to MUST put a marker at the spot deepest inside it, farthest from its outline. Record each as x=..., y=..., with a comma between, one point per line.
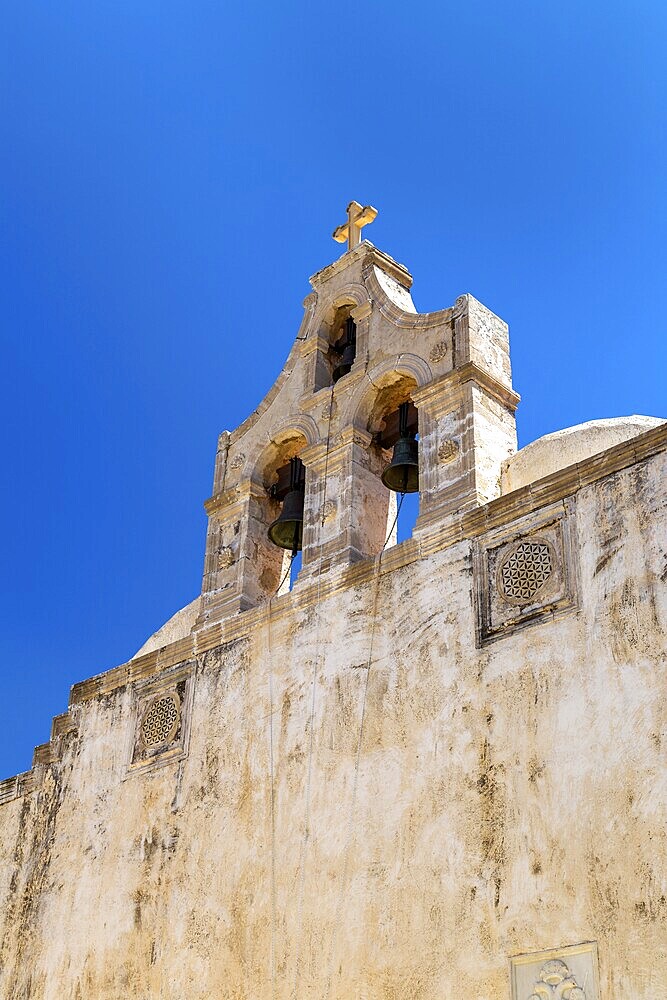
x=574, y=444
x=178, y=626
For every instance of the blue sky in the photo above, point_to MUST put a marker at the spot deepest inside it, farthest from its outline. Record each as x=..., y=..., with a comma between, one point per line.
x=171, y=174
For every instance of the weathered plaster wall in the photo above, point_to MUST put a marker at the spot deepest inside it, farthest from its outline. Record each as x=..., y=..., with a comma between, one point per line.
x=508, y=798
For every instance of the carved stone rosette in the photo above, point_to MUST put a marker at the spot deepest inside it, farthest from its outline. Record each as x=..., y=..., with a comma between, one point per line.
x=448, y=451
x=161, y=718
x=526, y=572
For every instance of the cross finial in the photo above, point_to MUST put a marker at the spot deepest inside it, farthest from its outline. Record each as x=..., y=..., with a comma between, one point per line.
x=357, y=216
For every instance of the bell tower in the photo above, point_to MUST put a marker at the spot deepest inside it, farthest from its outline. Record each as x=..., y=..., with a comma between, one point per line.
x=374, y=397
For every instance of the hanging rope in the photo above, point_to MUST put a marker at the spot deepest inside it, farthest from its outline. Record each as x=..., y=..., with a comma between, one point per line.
x=357, y=761
x=311, y=719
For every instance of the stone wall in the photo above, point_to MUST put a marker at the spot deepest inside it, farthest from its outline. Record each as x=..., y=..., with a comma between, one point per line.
x=381, y=787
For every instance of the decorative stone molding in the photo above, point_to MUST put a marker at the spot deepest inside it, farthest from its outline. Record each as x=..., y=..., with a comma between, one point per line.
x=295, y=424
x=555, y=980
x=561, y=974
x=526, y=572
x=359, y=404
x=226, y=557
x=448, y=451
x=160, y=731
x=160, y=721
x=366, y=255
x=328, y=510
x=438, y=352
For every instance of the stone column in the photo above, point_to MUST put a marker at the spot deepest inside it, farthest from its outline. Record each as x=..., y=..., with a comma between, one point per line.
x=466, y=430
x=347, y=521
x=318, y=373
x=241, y=567
x=361, y=315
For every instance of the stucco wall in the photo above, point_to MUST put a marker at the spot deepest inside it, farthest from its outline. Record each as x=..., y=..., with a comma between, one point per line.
x=509, y=797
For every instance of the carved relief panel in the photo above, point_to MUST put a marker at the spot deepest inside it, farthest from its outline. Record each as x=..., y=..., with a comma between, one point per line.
x=562, y=974
x=162, y=718
x=525, y=572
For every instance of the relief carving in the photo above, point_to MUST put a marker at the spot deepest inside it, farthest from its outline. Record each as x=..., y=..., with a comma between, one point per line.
x=225, y=557
x=161, y=721
x=438, y=351
x=556, y=982
x=526, y=572
x=328, y=510
x=525, y=569
x=448, y=451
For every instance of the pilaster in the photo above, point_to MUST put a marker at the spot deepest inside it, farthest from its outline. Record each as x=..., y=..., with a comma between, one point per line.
x=241, y=566
x=466, y=430
x=346, y=507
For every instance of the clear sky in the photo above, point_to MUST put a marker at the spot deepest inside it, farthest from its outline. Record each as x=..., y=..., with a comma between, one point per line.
x=170, y=176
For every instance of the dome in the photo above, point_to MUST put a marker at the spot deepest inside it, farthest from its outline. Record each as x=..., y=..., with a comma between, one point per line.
x=556, y=451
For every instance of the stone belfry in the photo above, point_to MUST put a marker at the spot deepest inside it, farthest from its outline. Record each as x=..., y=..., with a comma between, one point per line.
x=428, y=770
x=452, y=365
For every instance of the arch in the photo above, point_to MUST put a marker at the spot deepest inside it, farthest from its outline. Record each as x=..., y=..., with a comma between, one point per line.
x=329, y=328
x=302, y=423
x=360, y=406
x=351, y=295
x=285, y=441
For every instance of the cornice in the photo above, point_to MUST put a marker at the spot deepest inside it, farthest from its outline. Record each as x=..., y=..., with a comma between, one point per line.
x=441, y=387
x=226, y=500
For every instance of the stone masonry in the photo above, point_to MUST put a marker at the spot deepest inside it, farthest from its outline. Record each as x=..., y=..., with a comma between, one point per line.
x=429, y=770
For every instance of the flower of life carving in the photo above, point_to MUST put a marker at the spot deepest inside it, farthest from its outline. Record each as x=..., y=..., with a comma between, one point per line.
x=556, y=981
x=161, y=720
x=524, y=571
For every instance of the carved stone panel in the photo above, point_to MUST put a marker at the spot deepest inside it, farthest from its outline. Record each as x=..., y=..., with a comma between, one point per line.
x=525, y=572
x=569, y=973
x=161, y=719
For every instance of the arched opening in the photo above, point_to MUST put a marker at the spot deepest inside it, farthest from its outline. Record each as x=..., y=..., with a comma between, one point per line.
x=394, y=423
x=334, y=362
x=280, y=511
x=398, y=439
x=286, y=531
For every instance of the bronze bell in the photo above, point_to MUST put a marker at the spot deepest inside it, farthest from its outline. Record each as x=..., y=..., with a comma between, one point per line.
x=346, y=347
x=402, y=473
x=287, y=530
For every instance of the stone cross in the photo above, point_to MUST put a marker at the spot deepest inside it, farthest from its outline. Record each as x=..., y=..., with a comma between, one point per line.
x=357, y=216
